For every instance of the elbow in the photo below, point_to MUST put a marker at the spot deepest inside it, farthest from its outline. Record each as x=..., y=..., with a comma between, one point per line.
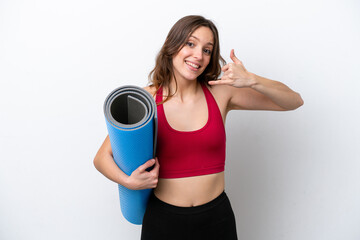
x=96, y=161
x=301, y=102
x=298, y=102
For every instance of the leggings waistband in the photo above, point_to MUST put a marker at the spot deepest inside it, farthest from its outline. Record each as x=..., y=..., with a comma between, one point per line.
x=161, y=205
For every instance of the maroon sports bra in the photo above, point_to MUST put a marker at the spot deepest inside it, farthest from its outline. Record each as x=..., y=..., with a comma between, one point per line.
x=191, y=153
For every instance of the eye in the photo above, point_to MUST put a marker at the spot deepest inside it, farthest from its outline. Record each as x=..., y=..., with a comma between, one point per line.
x=190, y=44
x=207, y=51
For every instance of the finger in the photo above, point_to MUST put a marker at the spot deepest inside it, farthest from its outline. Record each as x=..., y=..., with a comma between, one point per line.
x=157, y=165
x=222, y=76
x=233, y=57
x=227, y=73
x=227, y=76
x=225, y=68
x=146, y=165
x=221, y=82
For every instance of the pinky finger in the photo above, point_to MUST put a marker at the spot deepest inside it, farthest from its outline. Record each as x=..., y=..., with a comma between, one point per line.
x=221, y=82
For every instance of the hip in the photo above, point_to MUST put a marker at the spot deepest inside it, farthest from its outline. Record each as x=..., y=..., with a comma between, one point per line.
x=212, y=220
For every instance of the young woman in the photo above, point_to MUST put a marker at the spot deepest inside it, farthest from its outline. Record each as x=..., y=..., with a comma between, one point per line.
x=188, y=201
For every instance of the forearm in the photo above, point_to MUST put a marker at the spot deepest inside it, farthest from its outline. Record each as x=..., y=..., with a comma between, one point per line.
x=105, y=164
x=278, y=92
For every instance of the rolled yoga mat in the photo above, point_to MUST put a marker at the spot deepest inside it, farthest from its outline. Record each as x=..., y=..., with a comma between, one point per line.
x=131, y=119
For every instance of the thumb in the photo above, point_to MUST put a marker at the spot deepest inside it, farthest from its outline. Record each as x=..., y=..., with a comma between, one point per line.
x=233, y=57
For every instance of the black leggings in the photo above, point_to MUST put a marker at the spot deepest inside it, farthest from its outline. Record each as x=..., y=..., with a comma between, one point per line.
x=214, y=220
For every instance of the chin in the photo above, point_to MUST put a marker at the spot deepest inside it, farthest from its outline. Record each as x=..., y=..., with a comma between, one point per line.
x=192, y=77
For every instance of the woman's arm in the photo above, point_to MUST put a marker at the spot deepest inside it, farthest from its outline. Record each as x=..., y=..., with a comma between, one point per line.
x=277, y=92
x=252, y=92
x=139, y=179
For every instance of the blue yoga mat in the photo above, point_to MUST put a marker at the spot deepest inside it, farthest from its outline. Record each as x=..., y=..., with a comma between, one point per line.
x=131, y=119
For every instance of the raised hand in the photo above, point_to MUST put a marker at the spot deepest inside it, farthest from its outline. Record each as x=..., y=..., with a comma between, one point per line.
x=235, y=74
x=143, y=179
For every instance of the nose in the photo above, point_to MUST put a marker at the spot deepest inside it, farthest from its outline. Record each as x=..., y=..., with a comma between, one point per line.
x=198, y=53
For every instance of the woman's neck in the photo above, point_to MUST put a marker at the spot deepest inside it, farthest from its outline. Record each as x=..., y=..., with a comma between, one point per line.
x=184, y=89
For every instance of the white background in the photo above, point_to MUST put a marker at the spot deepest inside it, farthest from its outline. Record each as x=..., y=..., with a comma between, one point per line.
x=290, y=175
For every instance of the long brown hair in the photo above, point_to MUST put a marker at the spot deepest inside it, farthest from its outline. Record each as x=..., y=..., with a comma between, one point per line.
x=177, y=37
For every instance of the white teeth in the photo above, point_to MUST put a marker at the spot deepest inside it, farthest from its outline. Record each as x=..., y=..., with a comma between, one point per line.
x=193, y=65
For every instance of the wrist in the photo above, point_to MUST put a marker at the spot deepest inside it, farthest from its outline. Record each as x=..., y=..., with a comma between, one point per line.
x=253, y=80
x=126, y=182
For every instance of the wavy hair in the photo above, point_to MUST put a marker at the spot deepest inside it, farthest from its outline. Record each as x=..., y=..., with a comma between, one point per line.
x=177, y=37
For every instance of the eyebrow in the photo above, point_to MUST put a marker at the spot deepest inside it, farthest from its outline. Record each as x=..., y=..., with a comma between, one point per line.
x=209, y=43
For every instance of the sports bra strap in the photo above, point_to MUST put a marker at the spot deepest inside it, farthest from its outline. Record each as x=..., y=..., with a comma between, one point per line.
x=159, y=95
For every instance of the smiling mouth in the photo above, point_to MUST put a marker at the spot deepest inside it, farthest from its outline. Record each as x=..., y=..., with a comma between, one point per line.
x=193, y=65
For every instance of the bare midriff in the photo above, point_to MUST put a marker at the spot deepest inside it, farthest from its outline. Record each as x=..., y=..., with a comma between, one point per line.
x=190, y=191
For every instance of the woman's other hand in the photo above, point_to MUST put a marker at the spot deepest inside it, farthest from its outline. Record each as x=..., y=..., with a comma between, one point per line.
x=235, y=74
x=143, y=179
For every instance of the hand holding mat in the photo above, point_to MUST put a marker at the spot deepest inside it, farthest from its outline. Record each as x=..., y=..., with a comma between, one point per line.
x=131, y=119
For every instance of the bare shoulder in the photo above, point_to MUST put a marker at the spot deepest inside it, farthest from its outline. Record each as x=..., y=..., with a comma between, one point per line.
x=223, y=92
x=222, y=95
x=150, y=89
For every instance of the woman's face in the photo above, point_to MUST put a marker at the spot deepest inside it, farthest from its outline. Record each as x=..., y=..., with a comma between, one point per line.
x=194, y=57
